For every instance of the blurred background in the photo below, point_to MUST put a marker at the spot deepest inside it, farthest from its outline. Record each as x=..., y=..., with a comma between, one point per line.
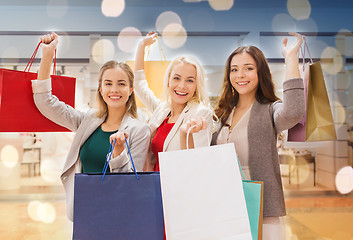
x=317, y=177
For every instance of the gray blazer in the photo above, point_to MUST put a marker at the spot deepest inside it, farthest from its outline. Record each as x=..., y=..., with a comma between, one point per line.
x=266, y=121
x=84, y=124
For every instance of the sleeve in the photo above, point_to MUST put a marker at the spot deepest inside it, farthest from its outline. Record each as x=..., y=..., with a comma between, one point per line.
x=139, y=141
x=53, y=109
x=292, y=109
x=143, y=92
x=203, y=137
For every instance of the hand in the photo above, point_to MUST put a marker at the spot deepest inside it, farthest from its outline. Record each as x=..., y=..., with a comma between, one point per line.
x=49, y=44
x=150, y=38
x=197, y=123
x=119, y=137
x=293, y=50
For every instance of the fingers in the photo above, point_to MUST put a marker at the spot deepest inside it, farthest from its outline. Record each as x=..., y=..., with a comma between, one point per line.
x=118, y=137
x=198, y=124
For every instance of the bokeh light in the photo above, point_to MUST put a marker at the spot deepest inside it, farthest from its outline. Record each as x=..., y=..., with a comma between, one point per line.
x=128, y=39
x=9, y=156
x=112, y=8
x=283, y=23
x=337, y=64
x=166, y=18
x=344, y=44
x=32, y=210
x=50, y=171
x=221, y=5
x=174, y=35
x=57, y=8
x=299, y=9
x=307, y=25
x=339, y=113
x=41, y=212
x=301, y=170
x=344, y=180
x=102, y=51
x=46, y=213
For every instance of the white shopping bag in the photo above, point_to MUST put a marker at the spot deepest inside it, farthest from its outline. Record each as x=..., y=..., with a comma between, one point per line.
x=202, y=194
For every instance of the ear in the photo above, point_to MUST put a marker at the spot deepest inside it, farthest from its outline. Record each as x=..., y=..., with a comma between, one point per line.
x=131, y=91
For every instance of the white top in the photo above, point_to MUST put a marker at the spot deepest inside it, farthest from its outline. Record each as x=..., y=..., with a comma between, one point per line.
x=239, y=136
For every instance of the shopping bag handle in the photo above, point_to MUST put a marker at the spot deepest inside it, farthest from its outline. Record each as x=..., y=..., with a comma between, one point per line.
x=31, y=60
x=241, y=170
x=109, y=155
x=303, y=49
x=187, y=136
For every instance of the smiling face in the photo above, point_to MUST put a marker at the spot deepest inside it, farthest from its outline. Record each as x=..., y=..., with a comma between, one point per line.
x=243, y=74
x=182, y=83
x=115, y=88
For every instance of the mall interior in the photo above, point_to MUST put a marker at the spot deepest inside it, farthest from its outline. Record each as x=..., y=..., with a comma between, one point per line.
x=317, y=176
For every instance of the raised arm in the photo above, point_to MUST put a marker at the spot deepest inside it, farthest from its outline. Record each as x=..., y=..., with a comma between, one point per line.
x=49, y=44
x=290, y=54
x=140, y=54
x=142, y=90
x=292, y=109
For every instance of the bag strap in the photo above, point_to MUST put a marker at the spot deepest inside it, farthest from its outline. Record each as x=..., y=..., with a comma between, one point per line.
x=31, y=60
x=148, y=49
x=109, y=155
x=241, y=170
x=303, y=49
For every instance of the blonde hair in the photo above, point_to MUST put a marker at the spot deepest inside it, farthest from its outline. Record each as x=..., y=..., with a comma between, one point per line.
x=201, y=95
x=131, y=108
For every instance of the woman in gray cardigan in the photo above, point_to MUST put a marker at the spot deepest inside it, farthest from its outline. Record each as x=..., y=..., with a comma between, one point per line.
x=249, y=110
x=114, y=120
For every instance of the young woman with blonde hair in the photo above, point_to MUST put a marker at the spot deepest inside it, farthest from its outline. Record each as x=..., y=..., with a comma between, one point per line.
x=185, y=105
x=115, y=120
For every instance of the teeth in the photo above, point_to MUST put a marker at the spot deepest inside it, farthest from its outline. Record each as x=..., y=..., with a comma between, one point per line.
x=181, y=94
x=115, y=97
x=243, y=83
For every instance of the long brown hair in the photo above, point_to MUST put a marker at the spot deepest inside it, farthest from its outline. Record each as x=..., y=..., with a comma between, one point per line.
x=131, y=108
x=265, y=92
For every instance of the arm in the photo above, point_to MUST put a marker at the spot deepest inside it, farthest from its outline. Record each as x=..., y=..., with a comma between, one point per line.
x=142, y=90
x=139, y=141
x=48, y=104
x=289, y=112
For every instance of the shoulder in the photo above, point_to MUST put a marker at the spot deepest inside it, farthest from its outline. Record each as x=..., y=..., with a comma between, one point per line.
x=200, y=109
x=136, y=125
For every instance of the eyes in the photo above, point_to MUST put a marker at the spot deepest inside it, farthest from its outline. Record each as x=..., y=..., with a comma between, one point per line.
x=246, y=69
x=189, y=80
x=121, y=83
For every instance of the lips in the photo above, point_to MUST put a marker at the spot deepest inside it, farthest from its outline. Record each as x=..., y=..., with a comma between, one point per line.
x=243, y=83
x=182, y=94
x=115, y=97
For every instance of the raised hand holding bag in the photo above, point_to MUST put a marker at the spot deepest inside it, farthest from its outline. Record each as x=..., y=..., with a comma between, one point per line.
x=18, y=112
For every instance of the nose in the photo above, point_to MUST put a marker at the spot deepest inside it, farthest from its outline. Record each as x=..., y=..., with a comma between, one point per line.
x=240, y=73
x=182, y=84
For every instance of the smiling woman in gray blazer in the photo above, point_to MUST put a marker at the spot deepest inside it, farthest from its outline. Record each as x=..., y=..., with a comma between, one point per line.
x=115, y=120
x=251, y=117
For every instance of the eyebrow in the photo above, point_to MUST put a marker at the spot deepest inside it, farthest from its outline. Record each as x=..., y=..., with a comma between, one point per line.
x=246, y=64
x=180, y=76
x=120, y=80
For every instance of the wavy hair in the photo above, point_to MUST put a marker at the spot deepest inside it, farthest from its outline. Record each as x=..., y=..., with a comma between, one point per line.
x=265, y=92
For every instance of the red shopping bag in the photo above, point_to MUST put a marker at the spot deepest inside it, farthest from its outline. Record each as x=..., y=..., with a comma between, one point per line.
x=18, y=113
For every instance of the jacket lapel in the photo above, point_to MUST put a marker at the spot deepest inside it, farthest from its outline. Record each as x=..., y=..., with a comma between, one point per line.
x=175, y=128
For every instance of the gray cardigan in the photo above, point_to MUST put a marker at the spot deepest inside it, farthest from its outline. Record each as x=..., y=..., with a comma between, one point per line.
x=84, y=124
x=266, y=121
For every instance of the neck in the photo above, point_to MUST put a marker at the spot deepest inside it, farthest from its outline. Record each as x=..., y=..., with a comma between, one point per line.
x=176, y=110
x=114, y=118
x=245, y=101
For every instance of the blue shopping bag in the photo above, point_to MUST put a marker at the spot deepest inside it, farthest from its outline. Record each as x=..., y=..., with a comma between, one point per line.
x=121, y=207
